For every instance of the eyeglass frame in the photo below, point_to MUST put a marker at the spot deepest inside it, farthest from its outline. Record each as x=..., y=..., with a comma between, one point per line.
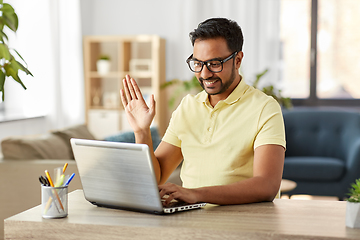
x=206, y=62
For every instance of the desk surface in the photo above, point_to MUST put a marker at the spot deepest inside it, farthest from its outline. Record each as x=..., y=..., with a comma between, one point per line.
x=281, y=219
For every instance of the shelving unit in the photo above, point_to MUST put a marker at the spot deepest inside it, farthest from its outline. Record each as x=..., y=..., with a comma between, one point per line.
x=140, y=56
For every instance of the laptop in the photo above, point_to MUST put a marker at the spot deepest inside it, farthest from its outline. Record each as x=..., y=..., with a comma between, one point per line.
x=121, y=175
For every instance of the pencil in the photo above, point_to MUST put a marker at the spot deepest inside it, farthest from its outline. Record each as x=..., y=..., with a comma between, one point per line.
x=52, y=185
x=65, y=166
x=49, y=178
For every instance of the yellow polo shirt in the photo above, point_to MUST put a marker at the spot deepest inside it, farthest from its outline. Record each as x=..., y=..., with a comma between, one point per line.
x=218, y=143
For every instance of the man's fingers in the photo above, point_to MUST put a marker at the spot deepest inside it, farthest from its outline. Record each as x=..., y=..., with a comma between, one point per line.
x=126, y=90
x=123, y=98
x=162, y=192
x=152, y=103
x=169, y=199
x=129, y=82
x=169, y=189
x=136, y=89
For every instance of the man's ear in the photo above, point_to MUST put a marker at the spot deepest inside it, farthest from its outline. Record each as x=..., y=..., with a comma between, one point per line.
x=238, y=59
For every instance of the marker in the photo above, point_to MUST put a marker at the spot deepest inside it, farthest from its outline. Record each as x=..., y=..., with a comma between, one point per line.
x=69, y=180
x=60, y=181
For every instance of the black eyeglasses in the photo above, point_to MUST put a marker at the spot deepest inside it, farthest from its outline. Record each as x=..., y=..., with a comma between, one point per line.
x=213, y=65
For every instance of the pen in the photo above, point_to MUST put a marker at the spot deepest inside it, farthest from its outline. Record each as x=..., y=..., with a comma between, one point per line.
x=69, y=180
x=52, y=185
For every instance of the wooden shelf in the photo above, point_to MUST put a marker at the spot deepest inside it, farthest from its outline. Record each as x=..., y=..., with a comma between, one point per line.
x=140, y=56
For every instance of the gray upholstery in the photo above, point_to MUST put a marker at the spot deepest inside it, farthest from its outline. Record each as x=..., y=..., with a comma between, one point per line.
x=323, y=151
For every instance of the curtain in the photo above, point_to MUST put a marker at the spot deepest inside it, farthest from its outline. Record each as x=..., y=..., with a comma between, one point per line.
x=69, y=106
x=49, y=39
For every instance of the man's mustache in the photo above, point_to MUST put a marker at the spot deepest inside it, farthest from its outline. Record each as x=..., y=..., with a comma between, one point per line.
x=209, y=79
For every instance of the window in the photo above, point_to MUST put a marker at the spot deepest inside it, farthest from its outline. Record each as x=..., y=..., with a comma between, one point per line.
x=320, y=46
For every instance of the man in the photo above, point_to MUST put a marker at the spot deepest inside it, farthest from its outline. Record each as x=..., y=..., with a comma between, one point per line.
x=230, y=136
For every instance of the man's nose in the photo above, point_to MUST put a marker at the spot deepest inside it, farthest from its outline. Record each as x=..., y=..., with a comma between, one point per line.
x=206, y=73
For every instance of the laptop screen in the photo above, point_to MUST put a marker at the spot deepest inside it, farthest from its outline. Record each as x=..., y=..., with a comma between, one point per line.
x=117, y=174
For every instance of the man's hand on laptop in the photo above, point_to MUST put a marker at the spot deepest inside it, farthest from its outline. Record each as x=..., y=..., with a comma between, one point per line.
x=170, y=192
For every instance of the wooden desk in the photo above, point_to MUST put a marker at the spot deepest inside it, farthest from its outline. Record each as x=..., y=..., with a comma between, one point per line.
x=281, y=219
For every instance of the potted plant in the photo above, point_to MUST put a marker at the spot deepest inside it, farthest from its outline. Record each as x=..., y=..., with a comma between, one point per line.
x=272, y=91
x=103, y=64
x=191, y=85
x=9, y=66
x=353, y=206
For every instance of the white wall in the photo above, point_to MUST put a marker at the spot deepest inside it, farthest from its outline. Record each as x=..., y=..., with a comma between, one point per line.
x=174, y=19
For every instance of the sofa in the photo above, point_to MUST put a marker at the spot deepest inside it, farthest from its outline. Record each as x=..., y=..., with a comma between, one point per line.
x=323, y=150
x=25, y=158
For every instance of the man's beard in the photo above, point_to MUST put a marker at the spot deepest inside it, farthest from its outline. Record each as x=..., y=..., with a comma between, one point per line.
x=224, y=87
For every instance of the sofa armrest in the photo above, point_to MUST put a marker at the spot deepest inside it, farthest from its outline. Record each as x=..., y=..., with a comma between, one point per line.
x=353, y=157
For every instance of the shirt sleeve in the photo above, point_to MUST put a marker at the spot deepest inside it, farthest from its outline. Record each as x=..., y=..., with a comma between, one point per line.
x=271, y=128
x=170, y=135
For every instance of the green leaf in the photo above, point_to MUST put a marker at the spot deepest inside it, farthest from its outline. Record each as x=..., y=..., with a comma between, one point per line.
x=24, y=69
x=10, y=18
x=354, y=192
x=3, y=35
x=7, y=8
x=2, y=24
x=258, y=76
x=12, y=70
x=2, y=82
x=19, y=56
x=4, y=52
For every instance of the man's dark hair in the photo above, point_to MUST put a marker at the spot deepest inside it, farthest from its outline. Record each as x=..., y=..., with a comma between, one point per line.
x=219, y=27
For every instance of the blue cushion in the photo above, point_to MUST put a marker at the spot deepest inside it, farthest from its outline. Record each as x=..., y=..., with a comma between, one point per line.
x=129, y=137
x=313, y=169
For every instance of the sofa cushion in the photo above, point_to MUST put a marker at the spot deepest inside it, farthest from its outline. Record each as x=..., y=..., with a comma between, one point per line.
x=46, y=146
x=78, y=131
x=313, y=168
x=129, y=137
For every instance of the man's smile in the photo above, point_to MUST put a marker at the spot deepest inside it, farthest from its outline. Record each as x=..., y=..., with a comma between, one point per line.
x=209, y=82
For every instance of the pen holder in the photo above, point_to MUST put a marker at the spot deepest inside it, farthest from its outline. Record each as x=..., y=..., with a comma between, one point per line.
x=54, y=202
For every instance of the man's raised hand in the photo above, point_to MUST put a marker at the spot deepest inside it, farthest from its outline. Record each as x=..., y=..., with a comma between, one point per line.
x=138, y=113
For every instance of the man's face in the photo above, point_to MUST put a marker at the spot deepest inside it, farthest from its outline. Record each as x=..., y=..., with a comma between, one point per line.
x=216, y=83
